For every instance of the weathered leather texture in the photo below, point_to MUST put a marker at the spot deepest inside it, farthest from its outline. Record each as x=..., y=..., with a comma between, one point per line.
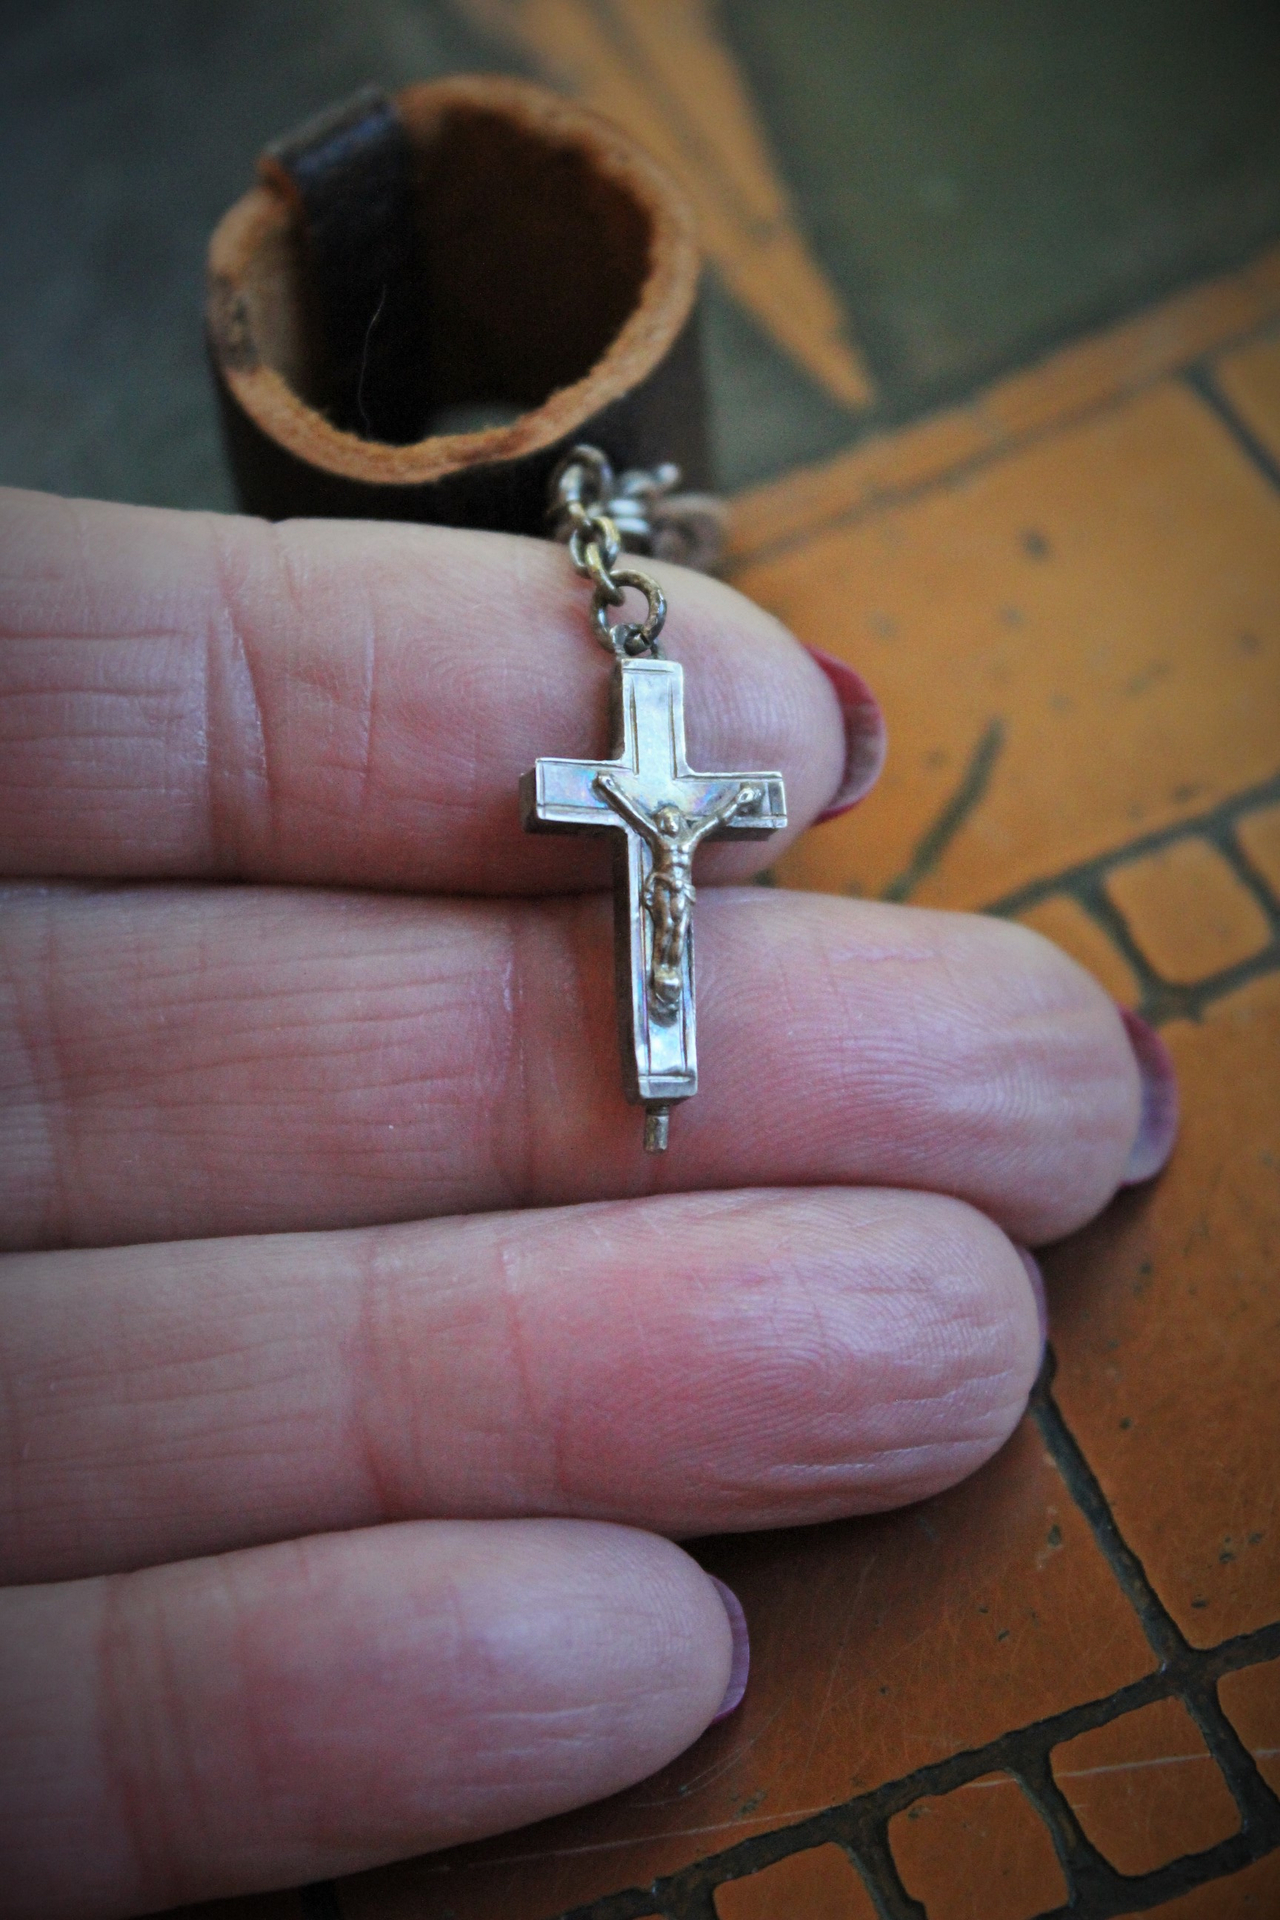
x=473, y=242
x=351, y=172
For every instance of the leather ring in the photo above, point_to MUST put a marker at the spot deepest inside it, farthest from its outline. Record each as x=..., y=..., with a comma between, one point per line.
x=527, y=252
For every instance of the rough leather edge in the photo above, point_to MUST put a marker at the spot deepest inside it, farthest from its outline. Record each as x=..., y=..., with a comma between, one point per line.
x=271, y=412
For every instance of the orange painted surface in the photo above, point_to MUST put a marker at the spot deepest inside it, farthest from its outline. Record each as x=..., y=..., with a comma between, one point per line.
x=1126, y=357
x=1250, y=379
x=1251, y=1894
x=1250, y=1698
x=819, y=1883
x=1188, y=911
x=1063, y=388
x=1098, y=614
x=980, y=1853
x=1259, y=836
x=1165, y=1316
x=1145, y=1789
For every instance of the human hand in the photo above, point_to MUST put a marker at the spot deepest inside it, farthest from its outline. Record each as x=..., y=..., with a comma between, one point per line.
x=360, y=1367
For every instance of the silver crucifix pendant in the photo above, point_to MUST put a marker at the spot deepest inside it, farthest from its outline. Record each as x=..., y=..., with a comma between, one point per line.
x=657, y=810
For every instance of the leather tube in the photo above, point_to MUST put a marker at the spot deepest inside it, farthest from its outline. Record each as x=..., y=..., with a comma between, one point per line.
x=473, y=249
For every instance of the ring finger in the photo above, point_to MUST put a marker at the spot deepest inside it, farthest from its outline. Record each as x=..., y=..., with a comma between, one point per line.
x=689, y=1363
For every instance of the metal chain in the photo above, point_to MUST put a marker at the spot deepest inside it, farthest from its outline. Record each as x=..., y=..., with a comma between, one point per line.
x=582, y=490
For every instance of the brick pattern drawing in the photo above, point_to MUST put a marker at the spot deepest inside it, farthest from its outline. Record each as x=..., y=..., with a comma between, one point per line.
x=861, y=1828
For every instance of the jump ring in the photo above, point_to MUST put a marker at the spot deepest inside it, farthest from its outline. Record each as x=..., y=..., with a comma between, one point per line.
x=584, y=475
x=628, y=639
x=597, y=570
x=596, y=530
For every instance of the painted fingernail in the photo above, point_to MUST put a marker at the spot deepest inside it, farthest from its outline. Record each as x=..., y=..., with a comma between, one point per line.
x=865, y=738
x=1158, y=1126
x=1036, y=1278
x=741, y=1665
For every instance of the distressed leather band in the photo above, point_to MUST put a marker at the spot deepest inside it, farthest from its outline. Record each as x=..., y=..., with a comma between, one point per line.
x=476, y=244
x=349, y=175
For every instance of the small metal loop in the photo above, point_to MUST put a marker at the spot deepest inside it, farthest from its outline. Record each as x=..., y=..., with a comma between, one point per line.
x=594, y=533
x=578, y=546
x=628, y=639
x=598, y=482
x=583, y=478
x=597, y=571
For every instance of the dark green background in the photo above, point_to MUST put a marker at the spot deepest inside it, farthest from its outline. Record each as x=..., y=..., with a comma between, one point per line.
x=980, y=181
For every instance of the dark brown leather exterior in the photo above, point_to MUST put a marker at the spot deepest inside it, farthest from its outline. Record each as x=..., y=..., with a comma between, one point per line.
x=350, y=172
x=661, y=418
x=474, y=240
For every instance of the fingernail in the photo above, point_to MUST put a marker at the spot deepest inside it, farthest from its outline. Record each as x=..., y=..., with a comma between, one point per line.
x=1158, y=1126
x=741, y=1665
x=865, y=738
x=1036, y=1278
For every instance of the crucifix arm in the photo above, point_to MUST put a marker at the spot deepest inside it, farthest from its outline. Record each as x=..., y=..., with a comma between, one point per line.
x=622, y=803
x=733, y=804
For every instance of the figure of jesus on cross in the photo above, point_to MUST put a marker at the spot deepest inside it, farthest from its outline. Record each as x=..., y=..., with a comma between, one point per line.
x=668, y=891
x=658, y=810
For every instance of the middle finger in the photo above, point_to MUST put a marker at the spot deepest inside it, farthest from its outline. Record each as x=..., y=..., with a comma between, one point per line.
x=198, y=1062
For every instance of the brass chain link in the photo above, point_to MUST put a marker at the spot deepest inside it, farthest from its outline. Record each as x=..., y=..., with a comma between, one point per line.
x=581, y=489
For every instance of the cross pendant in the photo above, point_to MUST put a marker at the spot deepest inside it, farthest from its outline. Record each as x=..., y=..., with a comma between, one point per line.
x=658, y=811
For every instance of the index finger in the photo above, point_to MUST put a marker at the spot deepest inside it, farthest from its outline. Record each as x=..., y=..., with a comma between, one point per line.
x=195, y=695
